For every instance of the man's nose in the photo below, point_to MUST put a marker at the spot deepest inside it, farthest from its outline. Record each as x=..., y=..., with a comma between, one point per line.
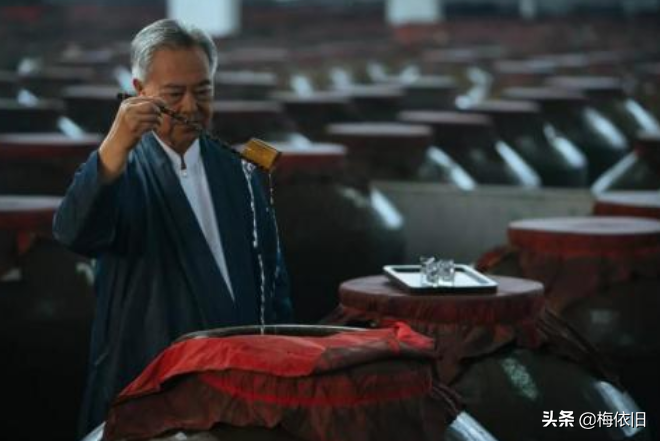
x=188, y=103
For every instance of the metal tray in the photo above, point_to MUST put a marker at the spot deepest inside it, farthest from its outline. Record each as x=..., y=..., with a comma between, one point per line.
x=466, y=280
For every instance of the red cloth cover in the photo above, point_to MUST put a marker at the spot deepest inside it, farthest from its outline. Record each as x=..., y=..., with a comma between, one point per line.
x=603, y=252
x=611, y=261
x=354, y=386
x=466, y=326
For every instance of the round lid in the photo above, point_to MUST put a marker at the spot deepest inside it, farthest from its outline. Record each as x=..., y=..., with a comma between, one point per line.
x=524, y=67
x=49, y=145
x=247, y=108
x=246, y=78
x=92, y=91
x=254, y=56
x=316, y=98
x=441, y=119
x=374, y=91
x=454, y=129
x=544, y=95
x=374, y=135
x=27, y=213
x=591, y=85
x=432, y=82
x=565, y=61
x=594, y=235
x=61, y=73
x=44, y=105
x=516, y=300
x=451, y=56
x=506, y=107
x=629, y=203
x=317, y=157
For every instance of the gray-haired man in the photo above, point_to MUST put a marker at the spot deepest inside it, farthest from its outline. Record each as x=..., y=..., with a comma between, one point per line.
x=167, y=214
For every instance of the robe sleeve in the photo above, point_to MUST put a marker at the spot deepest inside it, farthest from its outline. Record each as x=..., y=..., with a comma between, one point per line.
x=87, y=218
x=278, y=277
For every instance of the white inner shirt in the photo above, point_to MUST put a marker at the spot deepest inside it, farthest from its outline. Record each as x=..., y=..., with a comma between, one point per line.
x=196, y=187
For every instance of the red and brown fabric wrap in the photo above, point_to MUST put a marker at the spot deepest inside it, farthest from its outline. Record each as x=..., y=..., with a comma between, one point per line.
x=580, y=257
x=467, y=326
x=629, y=203
x=587, y=263
x=353, y=386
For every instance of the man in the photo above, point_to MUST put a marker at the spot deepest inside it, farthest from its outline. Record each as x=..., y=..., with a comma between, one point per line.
x=168, y=215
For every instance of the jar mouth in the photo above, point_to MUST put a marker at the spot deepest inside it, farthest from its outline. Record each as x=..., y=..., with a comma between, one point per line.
x=586, y=236
x=282, y=329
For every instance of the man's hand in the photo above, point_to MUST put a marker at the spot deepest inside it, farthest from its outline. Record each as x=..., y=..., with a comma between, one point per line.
x=135, y=117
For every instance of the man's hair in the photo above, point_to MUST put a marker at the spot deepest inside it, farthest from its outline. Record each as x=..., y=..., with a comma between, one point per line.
x=168, y=34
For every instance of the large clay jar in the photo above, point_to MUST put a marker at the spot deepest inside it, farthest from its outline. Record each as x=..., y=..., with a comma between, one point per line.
x=504, y=353
x=570, y=113
x=244, y=85
x=628, y=203
x=519, y=73
x=40, y=117
x=313, y=112
x=471, y=140
x=41, y=163
x=376, y=102
x=93, y=107
x=330, y=229
x=238, y=121
x=430, y=93
x=608, y=96
x=520, y=124
x=8, y=84
x=49, y=82
x=603, y=276
x=396, y=151
x=46, y=307
x=463, y=427
x=638, y=170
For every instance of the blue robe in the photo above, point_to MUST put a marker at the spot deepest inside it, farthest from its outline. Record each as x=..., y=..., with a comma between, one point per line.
x=156, y=277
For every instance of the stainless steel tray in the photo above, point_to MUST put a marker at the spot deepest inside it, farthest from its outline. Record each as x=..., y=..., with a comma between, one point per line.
x=466, y=280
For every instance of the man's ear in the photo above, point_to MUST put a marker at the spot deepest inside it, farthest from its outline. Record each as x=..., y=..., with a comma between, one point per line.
x=138, y=86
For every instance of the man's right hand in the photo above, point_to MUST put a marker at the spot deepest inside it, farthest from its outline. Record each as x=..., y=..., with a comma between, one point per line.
x=135, y=117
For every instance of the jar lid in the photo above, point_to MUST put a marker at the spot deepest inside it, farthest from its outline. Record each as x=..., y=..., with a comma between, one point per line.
x=442, y=119
x=571, y=61
x=594, y=86
x=246, y=78
x=593, y=235
x=247, y=108
x=452, y=129
x=374, y=135
x=46, y=145
x=27, y=213
x=44, y=105
x=432, y=82
x=106, y=92
x=629, y=203
x=374, y=92
x=317, y=157
x=516, y=300
x=60, y=72
x=524, y=67
x=317, y=99
x=506, y=108
x=544, y=95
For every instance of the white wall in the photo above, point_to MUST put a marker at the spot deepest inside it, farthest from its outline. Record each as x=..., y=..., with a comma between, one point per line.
x=441, y=220
x=217, y=17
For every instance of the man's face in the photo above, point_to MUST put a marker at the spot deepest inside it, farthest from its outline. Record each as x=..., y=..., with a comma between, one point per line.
x=182, y=78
